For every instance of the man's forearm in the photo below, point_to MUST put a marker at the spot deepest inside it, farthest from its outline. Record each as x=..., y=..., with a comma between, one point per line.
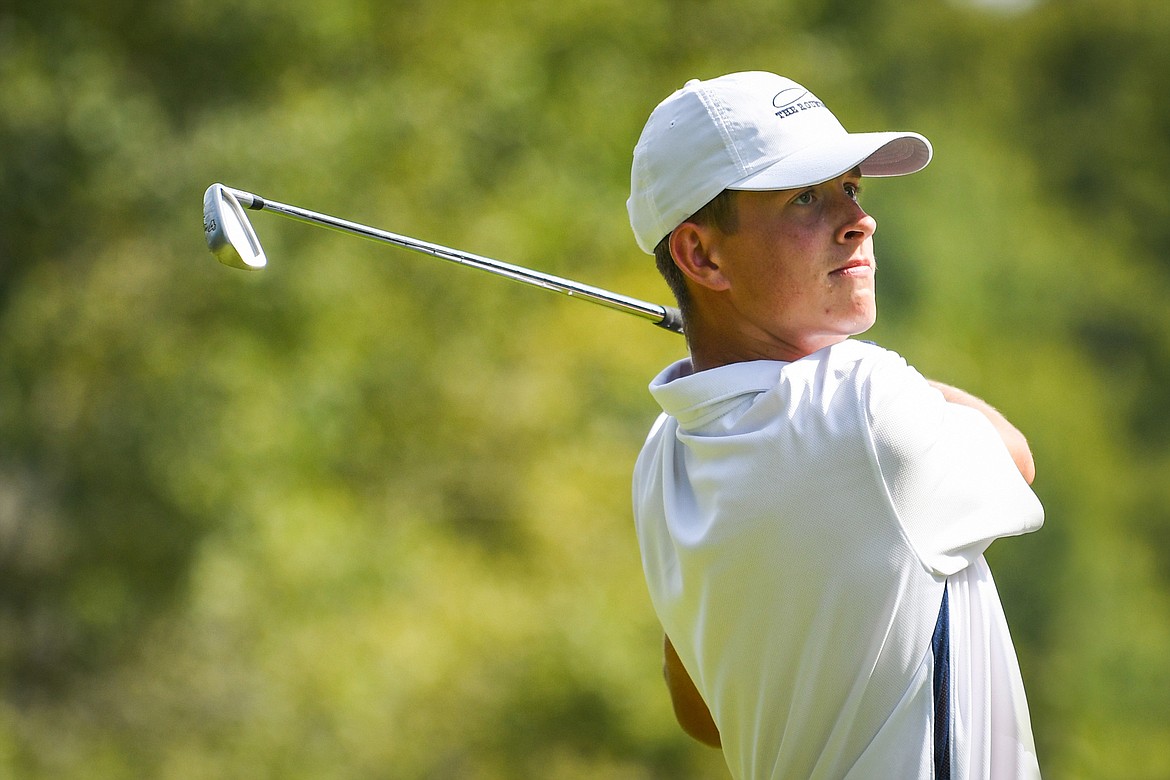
x=1016, y=443
x=689, y=707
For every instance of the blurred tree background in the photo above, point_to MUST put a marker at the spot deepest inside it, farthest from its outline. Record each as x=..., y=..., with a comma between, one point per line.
x=363, y=515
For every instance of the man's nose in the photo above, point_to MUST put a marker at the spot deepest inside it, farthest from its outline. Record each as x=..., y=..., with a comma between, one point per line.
x=858, y=225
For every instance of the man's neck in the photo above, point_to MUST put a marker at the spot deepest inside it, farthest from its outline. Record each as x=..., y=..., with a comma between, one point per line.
x=711, y=347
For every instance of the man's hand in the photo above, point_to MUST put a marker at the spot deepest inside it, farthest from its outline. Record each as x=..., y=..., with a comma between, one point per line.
x=689, y=708
x=1016, y=443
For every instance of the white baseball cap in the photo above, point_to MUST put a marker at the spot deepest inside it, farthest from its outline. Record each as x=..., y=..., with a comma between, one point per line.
x=748, y=131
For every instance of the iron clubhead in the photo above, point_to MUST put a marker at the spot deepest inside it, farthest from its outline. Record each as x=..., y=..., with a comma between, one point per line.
x=230, y=236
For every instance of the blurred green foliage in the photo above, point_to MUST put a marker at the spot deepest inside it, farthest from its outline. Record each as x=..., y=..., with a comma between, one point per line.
x=363, y=515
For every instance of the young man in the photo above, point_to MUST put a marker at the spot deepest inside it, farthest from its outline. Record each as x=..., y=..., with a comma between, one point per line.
x=812, y=512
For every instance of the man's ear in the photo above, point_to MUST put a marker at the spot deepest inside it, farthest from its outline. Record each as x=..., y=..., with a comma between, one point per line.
x=695, y=253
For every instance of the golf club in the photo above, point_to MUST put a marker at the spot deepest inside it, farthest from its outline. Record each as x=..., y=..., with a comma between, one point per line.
x=232, y=240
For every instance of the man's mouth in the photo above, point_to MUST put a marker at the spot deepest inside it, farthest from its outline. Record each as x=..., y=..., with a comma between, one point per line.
x=858, y=267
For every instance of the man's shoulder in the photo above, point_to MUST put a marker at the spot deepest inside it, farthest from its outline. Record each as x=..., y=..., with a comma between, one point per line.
x=815, y=382
x=853, y=363
x=862, y=351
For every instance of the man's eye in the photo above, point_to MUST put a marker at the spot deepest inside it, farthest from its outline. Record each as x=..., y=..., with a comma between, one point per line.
x=804, y=198
x=853, y=191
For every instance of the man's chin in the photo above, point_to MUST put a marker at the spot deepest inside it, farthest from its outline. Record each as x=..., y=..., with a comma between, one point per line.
x=864, y=322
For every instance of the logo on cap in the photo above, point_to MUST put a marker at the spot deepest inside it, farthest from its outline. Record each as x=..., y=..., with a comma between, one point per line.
x=792, y=101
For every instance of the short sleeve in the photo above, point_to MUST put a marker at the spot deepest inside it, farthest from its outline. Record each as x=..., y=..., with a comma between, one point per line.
x=949, y=475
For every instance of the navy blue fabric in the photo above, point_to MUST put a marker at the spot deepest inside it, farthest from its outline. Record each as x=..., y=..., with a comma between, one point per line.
x=940, y=645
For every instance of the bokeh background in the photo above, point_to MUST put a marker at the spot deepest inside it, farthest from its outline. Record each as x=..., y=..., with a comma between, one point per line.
x=366, y=515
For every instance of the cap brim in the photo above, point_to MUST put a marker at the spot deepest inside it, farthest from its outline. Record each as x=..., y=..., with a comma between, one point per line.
x=876, y=154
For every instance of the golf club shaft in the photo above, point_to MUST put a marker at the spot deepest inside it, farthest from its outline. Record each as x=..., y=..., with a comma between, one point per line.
x=665, y=317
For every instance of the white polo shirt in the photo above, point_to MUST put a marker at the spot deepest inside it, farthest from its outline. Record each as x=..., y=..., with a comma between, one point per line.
x=799, y=524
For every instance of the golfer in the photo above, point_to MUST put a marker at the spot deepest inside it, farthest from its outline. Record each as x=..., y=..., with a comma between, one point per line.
x=812, y=512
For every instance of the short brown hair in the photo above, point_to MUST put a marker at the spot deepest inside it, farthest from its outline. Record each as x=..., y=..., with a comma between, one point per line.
x=720, y=211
